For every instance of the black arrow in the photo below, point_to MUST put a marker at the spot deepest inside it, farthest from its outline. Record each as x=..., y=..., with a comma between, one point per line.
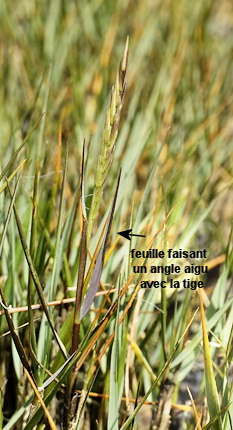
x=127, y=234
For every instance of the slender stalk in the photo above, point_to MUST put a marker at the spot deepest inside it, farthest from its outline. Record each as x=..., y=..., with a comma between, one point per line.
x=15, y=337
x=82, y=266
x=69, y=412
x=32, y=335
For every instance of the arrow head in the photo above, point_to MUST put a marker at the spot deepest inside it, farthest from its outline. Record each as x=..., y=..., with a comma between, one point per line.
x=126, y=233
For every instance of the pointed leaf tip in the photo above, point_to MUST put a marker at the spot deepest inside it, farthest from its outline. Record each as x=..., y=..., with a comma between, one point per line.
x=125, y=55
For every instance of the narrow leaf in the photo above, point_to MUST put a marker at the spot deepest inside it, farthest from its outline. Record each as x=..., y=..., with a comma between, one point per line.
x=15, y=337
x=211, y=388
x=35, y=277
x=2, y=188
x=5, y=170
x=82, y=264
x=95, y=279
x=47, y=414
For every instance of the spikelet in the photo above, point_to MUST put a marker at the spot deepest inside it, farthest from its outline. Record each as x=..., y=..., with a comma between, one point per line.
x=109, y=137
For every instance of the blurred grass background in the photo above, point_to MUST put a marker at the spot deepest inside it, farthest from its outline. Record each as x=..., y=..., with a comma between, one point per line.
x=175, y=147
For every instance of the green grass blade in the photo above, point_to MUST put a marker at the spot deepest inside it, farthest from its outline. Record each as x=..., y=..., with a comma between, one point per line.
x=114, y=370
x=3, y=187
x=8, y=166
x=211, y=388
x=36, y=278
